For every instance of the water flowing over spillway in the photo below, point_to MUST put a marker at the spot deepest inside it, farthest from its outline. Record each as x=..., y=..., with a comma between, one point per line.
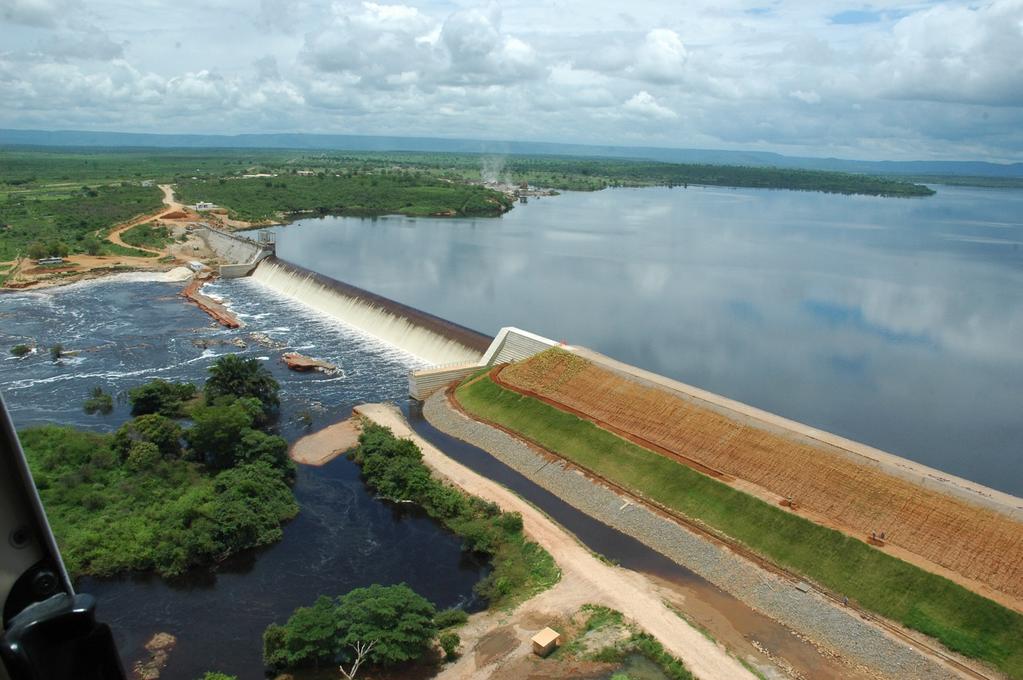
x=426, y=336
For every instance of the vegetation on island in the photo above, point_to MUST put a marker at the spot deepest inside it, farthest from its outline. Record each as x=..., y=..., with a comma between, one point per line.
x=393, y=625
x=959, y=618
x=21, y=350
x=138, y=499
x=394, y=468
x=99, y=401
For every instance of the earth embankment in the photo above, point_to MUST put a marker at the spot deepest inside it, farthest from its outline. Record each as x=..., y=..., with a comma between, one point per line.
x=979, y=543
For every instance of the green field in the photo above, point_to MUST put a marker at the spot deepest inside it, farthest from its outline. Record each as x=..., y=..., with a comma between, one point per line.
x=147, y=236
x=962, y=620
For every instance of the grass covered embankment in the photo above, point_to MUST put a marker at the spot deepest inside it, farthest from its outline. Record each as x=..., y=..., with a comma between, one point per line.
x=962, y=620
x=394, y=468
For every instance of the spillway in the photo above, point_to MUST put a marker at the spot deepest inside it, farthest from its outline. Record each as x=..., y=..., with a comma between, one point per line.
x=423, y=335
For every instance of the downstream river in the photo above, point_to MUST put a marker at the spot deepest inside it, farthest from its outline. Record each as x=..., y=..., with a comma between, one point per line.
x=895, y=322
x=128, y=333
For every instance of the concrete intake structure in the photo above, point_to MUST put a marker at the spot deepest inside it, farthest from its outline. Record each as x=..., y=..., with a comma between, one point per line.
x=431, y=338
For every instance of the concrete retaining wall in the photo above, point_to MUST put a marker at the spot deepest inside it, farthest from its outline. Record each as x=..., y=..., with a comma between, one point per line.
x=510, y=344
x=234, y=249
x=514, y=344
x=423, y=383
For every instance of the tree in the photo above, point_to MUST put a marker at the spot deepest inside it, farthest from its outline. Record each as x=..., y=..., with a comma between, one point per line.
x=98, y=402
x=37, y=250
x=233, y=376
x=56, y=352
x=309, y=638
x=213, y=675
x=160, y=396
x=382, y=625
x=216, y=436
x=21, y=350
x=154, y=428
x=397, y=620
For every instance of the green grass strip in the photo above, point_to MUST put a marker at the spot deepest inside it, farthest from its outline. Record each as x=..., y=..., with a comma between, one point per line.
x=962, y=620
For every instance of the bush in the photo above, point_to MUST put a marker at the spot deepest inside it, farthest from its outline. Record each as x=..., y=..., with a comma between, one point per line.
x=232, y=376
x=98, y=402
x=21, y=350
x=160, y=396
x=153, y=428
x=450, y=618
x=56, y=352
x=449, y=643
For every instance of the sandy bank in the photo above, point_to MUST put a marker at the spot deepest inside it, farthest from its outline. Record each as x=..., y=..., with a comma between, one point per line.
x=326, y=444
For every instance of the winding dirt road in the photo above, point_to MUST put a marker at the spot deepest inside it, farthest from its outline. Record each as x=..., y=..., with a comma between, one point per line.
x=585, y=579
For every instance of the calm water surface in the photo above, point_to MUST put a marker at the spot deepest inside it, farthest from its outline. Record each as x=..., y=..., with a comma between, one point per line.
x=896, y=322
x=128, y=333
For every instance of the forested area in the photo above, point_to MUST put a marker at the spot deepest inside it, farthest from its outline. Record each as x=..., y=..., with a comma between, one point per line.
x=160, y=495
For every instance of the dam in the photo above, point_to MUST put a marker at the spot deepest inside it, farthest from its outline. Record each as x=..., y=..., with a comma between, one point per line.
x=735, y=440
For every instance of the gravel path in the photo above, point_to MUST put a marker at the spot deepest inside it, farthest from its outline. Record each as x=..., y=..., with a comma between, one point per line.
x=839, y=629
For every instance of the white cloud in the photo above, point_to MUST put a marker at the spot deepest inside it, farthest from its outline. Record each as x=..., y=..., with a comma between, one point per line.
x=644, y=105
x=941, y=80
x=661, y=58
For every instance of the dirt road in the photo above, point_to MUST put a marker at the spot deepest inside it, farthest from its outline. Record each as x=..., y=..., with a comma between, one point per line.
x=584, y=577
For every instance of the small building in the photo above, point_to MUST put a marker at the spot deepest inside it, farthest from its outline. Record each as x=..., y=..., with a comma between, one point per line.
x=203, y=205
x=50, y=261
x=196, y=266
x=546, y=641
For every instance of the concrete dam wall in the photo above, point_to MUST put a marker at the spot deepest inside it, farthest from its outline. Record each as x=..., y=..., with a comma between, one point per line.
x=424, y=335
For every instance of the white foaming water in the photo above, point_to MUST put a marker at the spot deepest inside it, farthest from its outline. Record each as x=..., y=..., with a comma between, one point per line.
x=372, y=319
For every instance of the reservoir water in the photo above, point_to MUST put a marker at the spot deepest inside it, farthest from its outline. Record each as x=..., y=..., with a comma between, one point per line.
x=125, y=334
x=895, y=322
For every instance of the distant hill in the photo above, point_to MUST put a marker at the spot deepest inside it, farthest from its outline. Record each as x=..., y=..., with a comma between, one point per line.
x=378, y=143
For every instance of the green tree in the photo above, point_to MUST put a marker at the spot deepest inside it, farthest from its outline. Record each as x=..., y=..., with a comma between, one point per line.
x=160, y=396
x=233, y=376
x=56, y=352
x=449, y=643
x=216, y=436
x=309, y=638
x=395, y=619
x=37, y=250
x=98, y=402
x=154, y=428
x=214, y=675
x=21, y=350
x=142, y=455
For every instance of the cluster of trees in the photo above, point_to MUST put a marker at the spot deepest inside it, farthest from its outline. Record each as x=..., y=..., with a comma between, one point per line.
x=379, y=625
x=351, y=193
x=157, y=495
x=393, y=467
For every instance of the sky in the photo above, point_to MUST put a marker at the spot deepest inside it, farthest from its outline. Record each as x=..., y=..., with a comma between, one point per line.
x=885, y=80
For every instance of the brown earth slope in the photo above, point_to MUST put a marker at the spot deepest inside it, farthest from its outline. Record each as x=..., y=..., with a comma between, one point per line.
x=979, y=543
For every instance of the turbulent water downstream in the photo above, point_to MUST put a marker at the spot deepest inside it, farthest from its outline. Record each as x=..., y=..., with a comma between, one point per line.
x=128, y=333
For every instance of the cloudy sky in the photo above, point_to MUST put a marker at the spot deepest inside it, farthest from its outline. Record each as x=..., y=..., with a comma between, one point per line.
x=888, y=79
